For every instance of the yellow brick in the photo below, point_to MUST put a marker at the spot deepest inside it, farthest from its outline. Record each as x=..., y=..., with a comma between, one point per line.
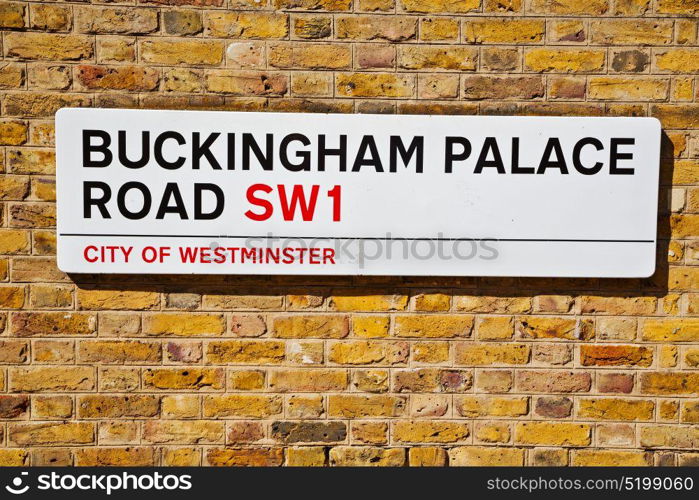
x=184, y=378
x=369, y=303
x=103, y=457
x=492, y=432
x=492, y=354
x=316, y=380
x=631, y=89
x=671, y=330
x=495, y=328
x=552, y=434
x=14, y=241
x=14, y=458
x=594, y=7
x=491, y=406
x=245, y=352
x=188, y=52
x=116, y=299
x=350, y=406
x=52, y=434
x=51, y=379
x=183, y=431
x=486, y=456
x=48, y=46
x=540, y=327
x=374, y=85
x=437, y=57
x=116, y=351
x=184, y=325
x=631, y=32
x=611, y=458
x=505, y=31
x=486, y=304
x=433, y=326
x=247, y=24
x=370, y=326
x=431, y=352
x=565, y=60
x=364, y=456
x=438, y=28
x=430, y=432
x=442, y=6
x=670, y=383
x=370, y=432
x=242, y=405
x=306, y=456
x=307, y=56
x=246, y=380
x=369, y=353
x=427, y=456
x=322, y=326
x=616, y=409
x=677, y=60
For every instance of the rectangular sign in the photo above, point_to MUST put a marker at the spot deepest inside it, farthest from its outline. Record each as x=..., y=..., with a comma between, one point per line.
x=278, y=193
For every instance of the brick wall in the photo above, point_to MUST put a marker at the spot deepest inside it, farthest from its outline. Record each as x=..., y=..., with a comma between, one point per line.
x=98, y=370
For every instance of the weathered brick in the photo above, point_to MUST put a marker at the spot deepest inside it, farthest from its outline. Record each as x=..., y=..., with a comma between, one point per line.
x=48, y=46
x=374, y=85
x=567, y=7
x=437, y=57
x=615, y=355
x=552, y=434
x=115, y=20
x=51, y=434
x=309, y=432
x=29, y=324
x=351, y=406
x=183, y=432
x=184, y=325
x=631, y=89
x=119, y=351
x=492, y=354
x=670, y=383
x=491, y=406
x=430, y=432
x=247, y=25
x=316, y=380
x=616, y=409
x=486, y=456
x=241, y=405
x=433, y=326
x=187, y=52
x=369, y=353
x=367, y=27
x=657, y=436
x=361, y=456
x=245, y=352
x=332, y=56
x=502, y=87
x=441, y=6
x=51, y=379
x=126, y=406
x=257, y=457
x=565, y=60
x=130, y=78
x=13, y=132
x=611, y=458
x=631, y=32
x=503, y=31
x=553, y=381
x=184, y=378
x=115, y=457
x=323, y=326
x=97, y=299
